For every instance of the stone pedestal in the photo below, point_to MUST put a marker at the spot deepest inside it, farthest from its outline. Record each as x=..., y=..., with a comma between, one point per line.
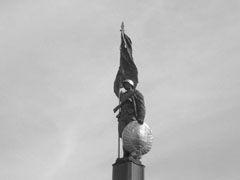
x=128, y=170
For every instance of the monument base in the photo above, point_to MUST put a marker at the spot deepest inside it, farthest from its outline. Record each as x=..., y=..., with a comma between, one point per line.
x=127, y=170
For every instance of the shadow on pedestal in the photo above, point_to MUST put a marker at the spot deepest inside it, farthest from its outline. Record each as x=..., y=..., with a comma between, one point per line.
x=125, y=169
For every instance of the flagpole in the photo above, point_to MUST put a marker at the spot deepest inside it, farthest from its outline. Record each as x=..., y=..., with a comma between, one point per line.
x=118, y=133
x=122, y=32
x=119, y=93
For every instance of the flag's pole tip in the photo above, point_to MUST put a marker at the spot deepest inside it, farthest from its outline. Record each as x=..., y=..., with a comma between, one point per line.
x=122, y=26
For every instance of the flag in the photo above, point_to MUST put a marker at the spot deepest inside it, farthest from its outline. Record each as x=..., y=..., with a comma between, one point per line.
x=127, y=68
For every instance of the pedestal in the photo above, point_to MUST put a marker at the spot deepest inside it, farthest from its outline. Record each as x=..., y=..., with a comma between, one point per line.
x=128, y=170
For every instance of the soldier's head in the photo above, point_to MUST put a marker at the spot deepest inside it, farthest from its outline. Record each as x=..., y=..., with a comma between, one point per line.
x=128, y=84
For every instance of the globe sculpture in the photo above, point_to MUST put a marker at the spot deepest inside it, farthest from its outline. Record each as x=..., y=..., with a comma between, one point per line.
x=137, y=138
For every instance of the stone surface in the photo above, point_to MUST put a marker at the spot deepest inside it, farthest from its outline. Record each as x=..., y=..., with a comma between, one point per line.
x=127, y=170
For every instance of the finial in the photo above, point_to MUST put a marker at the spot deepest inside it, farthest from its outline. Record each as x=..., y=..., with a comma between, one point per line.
x=122, y=26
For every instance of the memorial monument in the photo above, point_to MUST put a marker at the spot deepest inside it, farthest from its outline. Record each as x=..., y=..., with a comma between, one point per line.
x=135, y=133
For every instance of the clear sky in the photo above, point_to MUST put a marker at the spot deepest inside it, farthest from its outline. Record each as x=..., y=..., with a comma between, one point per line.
x=58, y=61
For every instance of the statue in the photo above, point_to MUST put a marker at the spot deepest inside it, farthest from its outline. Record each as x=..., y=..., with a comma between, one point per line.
x=132, y=109
x=136, y=135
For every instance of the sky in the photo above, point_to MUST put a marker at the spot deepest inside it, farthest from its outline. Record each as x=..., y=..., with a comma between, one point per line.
x=58, y=62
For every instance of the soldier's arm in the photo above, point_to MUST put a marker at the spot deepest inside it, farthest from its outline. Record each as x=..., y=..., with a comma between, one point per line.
x=141, y=110
x=117, y=107
x=124, y=97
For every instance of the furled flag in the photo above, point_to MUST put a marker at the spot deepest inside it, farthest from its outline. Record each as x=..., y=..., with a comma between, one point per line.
x=127, y=68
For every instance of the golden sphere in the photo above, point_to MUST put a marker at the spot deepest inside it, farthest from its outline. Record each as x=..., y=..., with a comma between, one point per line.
x=137, y=138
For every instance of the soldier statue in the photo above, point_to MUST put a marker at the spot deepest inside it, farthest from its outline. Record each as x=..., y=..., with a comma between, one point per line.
x=132, y=108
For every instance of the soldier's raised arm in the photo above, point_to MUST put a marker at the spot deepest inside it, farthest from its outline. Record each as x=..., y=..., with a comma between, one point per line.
x=125, y=96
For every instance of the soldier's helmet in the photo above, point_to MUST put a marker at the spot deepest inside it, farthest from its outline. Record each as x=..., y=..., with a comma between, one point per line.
x=129, y=81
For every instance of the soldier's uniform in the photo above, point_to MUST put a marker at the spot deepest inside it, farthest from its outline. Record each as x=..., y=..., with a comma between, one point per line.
x=132, y=109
